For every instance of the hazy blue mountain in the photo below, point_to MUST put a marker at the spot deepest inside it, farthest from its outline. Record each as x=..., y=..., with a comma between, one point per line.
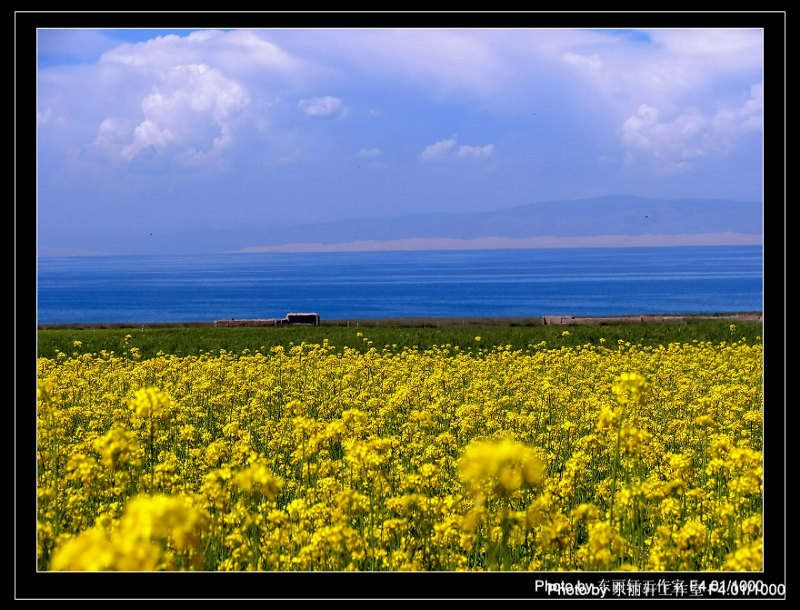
x=609, y=215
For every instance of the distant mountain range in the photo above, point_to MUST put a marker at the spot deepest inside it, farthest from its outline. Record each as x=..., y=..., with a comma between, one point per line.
x=610, y=221
x=571, y=222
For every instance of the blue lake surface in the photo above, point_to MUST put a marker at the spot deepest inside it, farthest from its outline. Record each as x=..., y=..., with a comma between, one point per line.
x=342, y=285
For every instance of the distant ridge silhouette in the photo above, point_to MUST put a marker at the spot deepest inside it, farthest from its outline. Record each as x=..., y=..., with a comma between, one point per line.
x=608, y=215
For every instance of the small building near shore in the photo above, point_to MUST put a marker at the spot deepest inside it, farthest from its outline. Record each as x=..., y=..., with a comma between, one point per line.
x=310, y=319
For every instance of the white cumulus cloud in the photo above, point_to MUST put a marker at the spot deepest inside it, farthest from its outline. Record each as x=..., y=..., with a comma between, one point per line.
x=475, y=151
x=447, y=148
x=181, y=98
x=325, y=106
x=729, y=123
x=190, y=114
x=673, y=142
x=670, y=142
x=438, y=151
x=669, y=91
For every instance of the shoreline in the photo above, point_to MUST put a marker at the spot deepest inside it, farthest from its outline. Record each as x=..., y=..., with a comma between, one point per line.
x=444, y=244
x=435, y=322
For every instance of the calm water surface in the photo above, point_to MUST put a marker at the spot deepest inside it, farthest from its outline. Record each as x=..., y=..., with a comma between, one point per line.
x=569, y=281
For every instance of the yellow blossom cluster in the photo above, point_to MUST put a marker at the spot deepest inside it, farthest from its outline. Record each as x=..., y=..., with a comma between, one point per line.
x=315, y=458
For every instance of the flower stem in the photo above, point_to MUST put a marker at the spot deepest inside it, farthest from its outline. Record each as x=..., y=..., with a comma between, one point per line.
x=616, y=468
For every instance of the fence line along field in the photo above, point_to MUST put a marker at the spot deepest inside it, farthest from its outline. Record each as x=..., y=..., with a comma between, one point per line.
x=564, y=453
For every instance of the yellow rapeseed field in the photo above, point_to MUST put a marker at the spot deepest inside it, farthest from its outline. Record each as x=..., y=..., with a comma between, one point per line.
x=590, y=457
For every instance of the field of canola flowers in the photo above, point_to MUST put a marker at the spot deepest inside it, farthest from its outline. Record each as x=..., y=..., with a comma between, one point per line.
x=586, y=457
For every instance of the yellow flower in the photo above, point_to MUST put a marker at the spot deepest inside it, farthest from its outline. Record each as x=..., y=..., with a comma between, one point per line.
x=608, y=417
x=504, y=466
x=132, y=545
x=692, y=536
x=748, y=558
x=258, y=478
x=161, y=517
x=704, y=421
x=603, y=548
x=629, y=388
x=555, y=532
x=586, y=512
x=116, y=447
x=631, y=438
x=215, y=452
x=151, y=402
x=312, y=457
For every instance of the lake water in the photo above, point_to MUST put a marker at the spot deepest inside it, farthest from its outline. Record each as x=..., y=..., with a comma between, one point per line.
x=342, y=285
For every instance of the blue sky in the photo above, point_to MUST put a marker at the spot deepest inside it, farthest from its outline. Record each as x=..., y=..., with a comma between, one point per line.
x=151, y=139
